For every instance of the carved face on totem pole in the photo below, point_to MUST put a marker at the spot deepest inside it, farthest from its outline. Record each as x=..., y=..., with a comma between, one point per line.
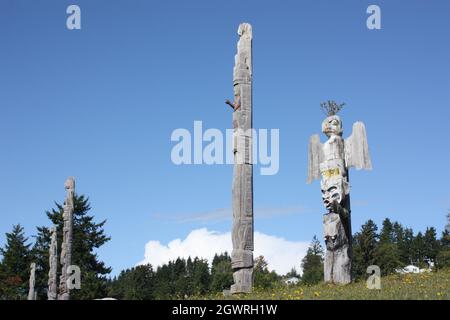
x=332, y=125
x=332, y=193
x=332, y=231
x=333, y=184
x=70, y=183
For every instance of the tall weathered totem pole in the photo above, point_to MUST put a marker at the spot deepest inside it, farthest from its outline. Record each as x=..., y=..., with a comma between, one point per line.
x=330, y=162
x=66, y=247
x=242, y=230
x=31, y=292
x=53, y=263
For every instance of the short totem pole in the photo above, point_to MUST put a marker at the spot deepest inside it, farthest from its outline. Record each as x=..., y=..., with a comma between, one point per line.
x=66, y=247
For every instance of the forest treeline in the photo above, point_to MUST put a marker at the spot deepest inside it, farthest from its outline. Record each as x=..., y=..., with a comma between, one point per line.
x=392, y=247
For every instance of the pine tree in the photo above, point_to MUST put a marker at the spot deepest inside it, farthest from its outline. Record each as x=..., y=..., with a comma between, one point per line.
x=418, y=249
x=221, y=273
x=133, y=284
x=164, y=282
x=431, y=243
x=447, y=227
x=292, y=274
x=445, y=239
x=180, y=276
x=387, y=255
x=116, y=286
x=312, y=263
x=40, y=254
x=407, y=250
x=364, y=248
x=87, y=237
x=263, y=278
x=443, y=257
x=187, y=279
x=400, y=239
x=387, y=232
x=200, y=276
x=15, y=265
x=398, y=232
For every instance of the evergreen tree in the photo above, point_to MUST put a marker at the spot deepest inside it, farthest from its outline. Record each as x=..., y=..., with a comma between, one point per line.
x=187, y=279
x=15, y=265
x=418, y=249
x=443, y=257
x=221, y=273
x=445, y=239
x=181, y=277
x=40, y=254
x=312, y=263
x=447, y=227
x=398, y=232
x=200, y=276
x=407, y=249
x=133, y=284
x=263, y=278
x=87, y=237
x=387, y=255
x=387, y=232
x=400, y=239
x=116, y=285
x=364, y=248
x=431, y=243
x=164, y=284
x=292, y=274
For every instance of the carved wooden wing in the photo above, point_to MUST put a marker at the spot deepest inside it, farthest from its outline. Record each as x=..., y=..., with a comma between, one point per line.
x=357, y=148
x=315, y=157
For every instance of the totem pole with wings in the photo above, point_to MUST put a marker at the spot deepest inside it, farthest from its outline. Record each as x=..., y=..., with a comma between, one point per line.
x=330, y=163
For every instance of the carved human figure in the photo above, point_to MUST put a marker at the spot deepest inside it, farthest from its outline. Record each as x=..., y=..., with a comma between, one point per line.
x=330, y=163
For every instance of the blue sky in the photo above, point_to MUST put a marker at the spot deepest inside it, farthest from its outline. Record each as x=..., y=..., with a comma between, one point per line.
x=101, y=103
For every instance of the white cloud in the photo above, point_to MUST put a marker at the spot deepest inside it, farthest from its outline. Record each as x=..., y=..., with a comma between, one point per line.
x=281, y=254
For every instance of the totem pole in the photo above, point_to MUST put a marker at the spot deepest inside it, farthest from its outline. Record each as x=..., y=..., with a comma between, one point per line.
x=53, y=263
x=31, y=292
x=242, y=230
x=330, y=162
x=66, y=247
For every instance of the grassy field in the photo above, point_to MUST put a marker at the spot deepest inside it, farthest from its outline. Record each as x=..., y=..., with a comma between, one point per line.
x=425, y=286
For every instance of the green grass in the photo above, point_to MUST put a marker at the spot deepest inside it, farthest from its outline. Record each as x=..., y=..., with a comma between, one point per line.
x=425, y=286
